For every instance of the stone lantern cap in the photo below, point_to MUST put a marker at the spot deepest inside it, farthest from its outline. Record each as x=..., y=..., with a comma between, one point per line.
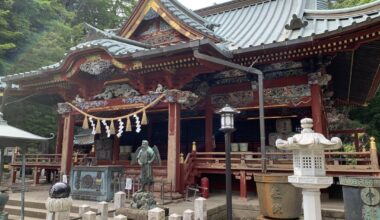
x=308, y=139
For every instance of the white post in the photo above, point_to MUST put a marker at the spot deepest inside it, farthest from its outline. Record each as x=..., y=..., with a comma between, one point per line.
x=120, y=217
x=156, y=214
x=175, y=217
x=103, y=209
x=119, y=200
x=312, y=204
x=188, y=214
x=83, y=209
x=58, y=209
x=200, y=209
x=90, y=215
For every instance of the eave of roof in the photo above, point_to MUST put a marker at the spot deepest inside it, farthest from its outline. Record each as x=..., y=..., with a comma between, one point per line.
x=112, y=47
x=121, y=50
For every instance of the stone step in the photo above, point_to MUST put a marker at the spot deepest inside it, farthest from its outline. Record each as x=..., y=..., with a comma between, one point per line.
x=33, y=213
x=16, y=217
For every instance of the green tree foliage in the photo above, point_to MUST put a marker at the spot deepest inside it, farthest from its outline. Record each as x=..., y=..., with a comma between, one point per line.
x=370, y=116
x=8, y=36
x=36, y=33
x=349, y=3
x=99, y=13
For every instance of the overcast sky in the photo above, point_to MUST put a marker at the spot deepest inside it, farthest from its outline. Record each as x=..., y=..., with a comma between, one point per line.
x=197, y=4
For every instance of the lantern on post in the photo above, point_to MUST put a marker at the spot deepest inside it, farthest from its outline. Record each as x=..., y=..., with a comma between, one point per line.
x=227, y=114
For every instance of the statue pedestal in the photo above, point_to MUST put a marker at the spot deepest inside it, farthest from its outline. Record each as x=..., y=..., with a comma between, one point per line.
x=96, y=183
x=143, y=201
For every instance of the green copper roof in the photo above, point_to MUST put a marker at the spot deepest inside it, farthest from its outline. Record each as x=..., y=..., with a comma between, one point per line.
x=189, y=17
x=114, y=48
x=263, y=23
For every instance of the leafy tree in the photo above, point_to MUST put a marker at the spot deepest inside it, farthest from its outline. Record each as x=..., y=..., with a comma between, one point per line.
x=349, y=3
x=100, y=13
x=370, y=116
x=7, y=35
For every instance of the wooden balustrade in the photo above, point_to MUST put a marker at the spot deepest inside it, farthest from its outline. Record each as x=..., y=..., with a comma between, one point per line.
x=282, y=161
x=43, y=159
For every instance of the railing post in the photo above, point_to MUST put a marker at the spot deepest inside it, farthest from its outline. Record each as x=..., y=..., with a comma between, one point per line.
x=373, y=151
x=103, y=209
x=182, y=173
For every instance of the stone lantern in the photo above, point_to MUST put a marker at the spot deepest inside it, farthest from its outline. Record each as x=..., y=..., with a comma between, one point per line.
x=309, y=165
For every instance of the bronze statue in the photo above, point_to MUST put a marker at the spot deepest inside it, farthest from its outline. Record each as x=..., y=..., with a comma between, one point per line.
x=145, y=156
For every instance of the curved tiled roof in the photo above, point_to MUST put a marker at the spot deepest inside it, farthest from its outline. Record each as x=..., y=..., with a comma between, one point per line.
x=114, y=48
x=256, y=24
x=264, y=22
x=189, y=17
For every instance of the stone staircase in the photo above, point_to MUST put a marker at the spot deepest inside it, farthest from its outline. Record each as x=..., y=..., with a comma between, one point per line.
x=33, y=210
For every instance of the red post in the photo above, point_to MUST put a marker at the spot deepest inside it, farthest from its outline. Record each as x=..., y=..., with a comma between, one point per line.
x=115, y=149
x=67, y=144
x=316, y=107
x=174, y=145
x=209, y=125
x=243, y=185
x=58, y=149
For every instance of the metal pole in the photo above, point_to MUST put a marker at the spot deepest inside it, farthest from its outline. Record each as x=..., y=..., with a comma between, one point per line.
x=23, y=183
x=227, y=137
x=262, y=124
x=2, y=163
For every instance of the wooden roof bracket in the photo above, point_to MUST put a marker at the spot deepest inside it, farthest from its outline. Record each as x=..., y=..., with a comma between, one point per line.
x=260, y=75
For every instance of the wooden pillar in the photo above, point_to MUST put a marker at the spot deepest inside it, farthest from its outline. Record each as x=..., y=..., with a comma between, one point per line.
x=13, y=174
x=174, y=144
x=209, y=125
x=59, y=140
x=115, y=149
x=316, y=107
x=356, y=141
x=36, y=176
x=67, y=144
x=243, y=185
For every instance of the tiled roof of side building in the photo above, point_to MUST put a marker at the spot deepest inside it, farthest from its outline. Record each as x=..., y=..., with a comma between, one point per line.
x=263, y=22
x=114, y=48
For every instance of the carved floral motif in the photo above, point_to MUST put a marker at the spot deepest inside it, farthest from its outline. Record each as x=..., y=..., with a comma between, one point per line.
x=236, y=99
x=96, y=67
x=319, y=78
x=287, y=94
x=114, y=91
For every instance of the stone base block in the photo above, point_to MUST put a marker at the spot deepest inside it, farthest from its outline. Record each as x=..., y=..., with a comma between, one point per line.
x=133, y=214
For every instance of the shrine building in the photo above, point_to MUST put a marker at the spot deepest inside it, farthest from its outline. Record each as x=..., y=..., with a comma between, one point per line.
x=162, y=76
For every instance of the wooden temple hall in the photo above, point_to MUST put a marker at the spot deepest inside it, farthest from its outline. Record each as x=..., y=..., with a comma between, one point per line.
x=162, y=76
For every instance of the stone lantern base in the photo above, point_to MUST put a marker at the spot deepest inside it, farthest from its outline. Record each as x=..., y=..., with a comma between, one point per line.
x=311, y=194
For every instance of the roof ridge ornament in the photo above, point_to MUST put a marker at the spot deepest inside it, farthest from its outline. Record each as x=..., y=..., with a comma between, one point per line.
x=296, y=23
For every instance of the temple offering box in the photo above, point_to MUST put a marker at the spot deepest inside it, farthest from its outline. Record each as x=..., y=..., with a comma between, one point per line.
x=96, y=183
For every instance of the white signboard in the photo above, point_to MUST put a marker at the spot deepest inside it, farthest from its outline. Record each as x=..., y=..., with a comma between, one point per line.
x=128, y=184
x=64, y=178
